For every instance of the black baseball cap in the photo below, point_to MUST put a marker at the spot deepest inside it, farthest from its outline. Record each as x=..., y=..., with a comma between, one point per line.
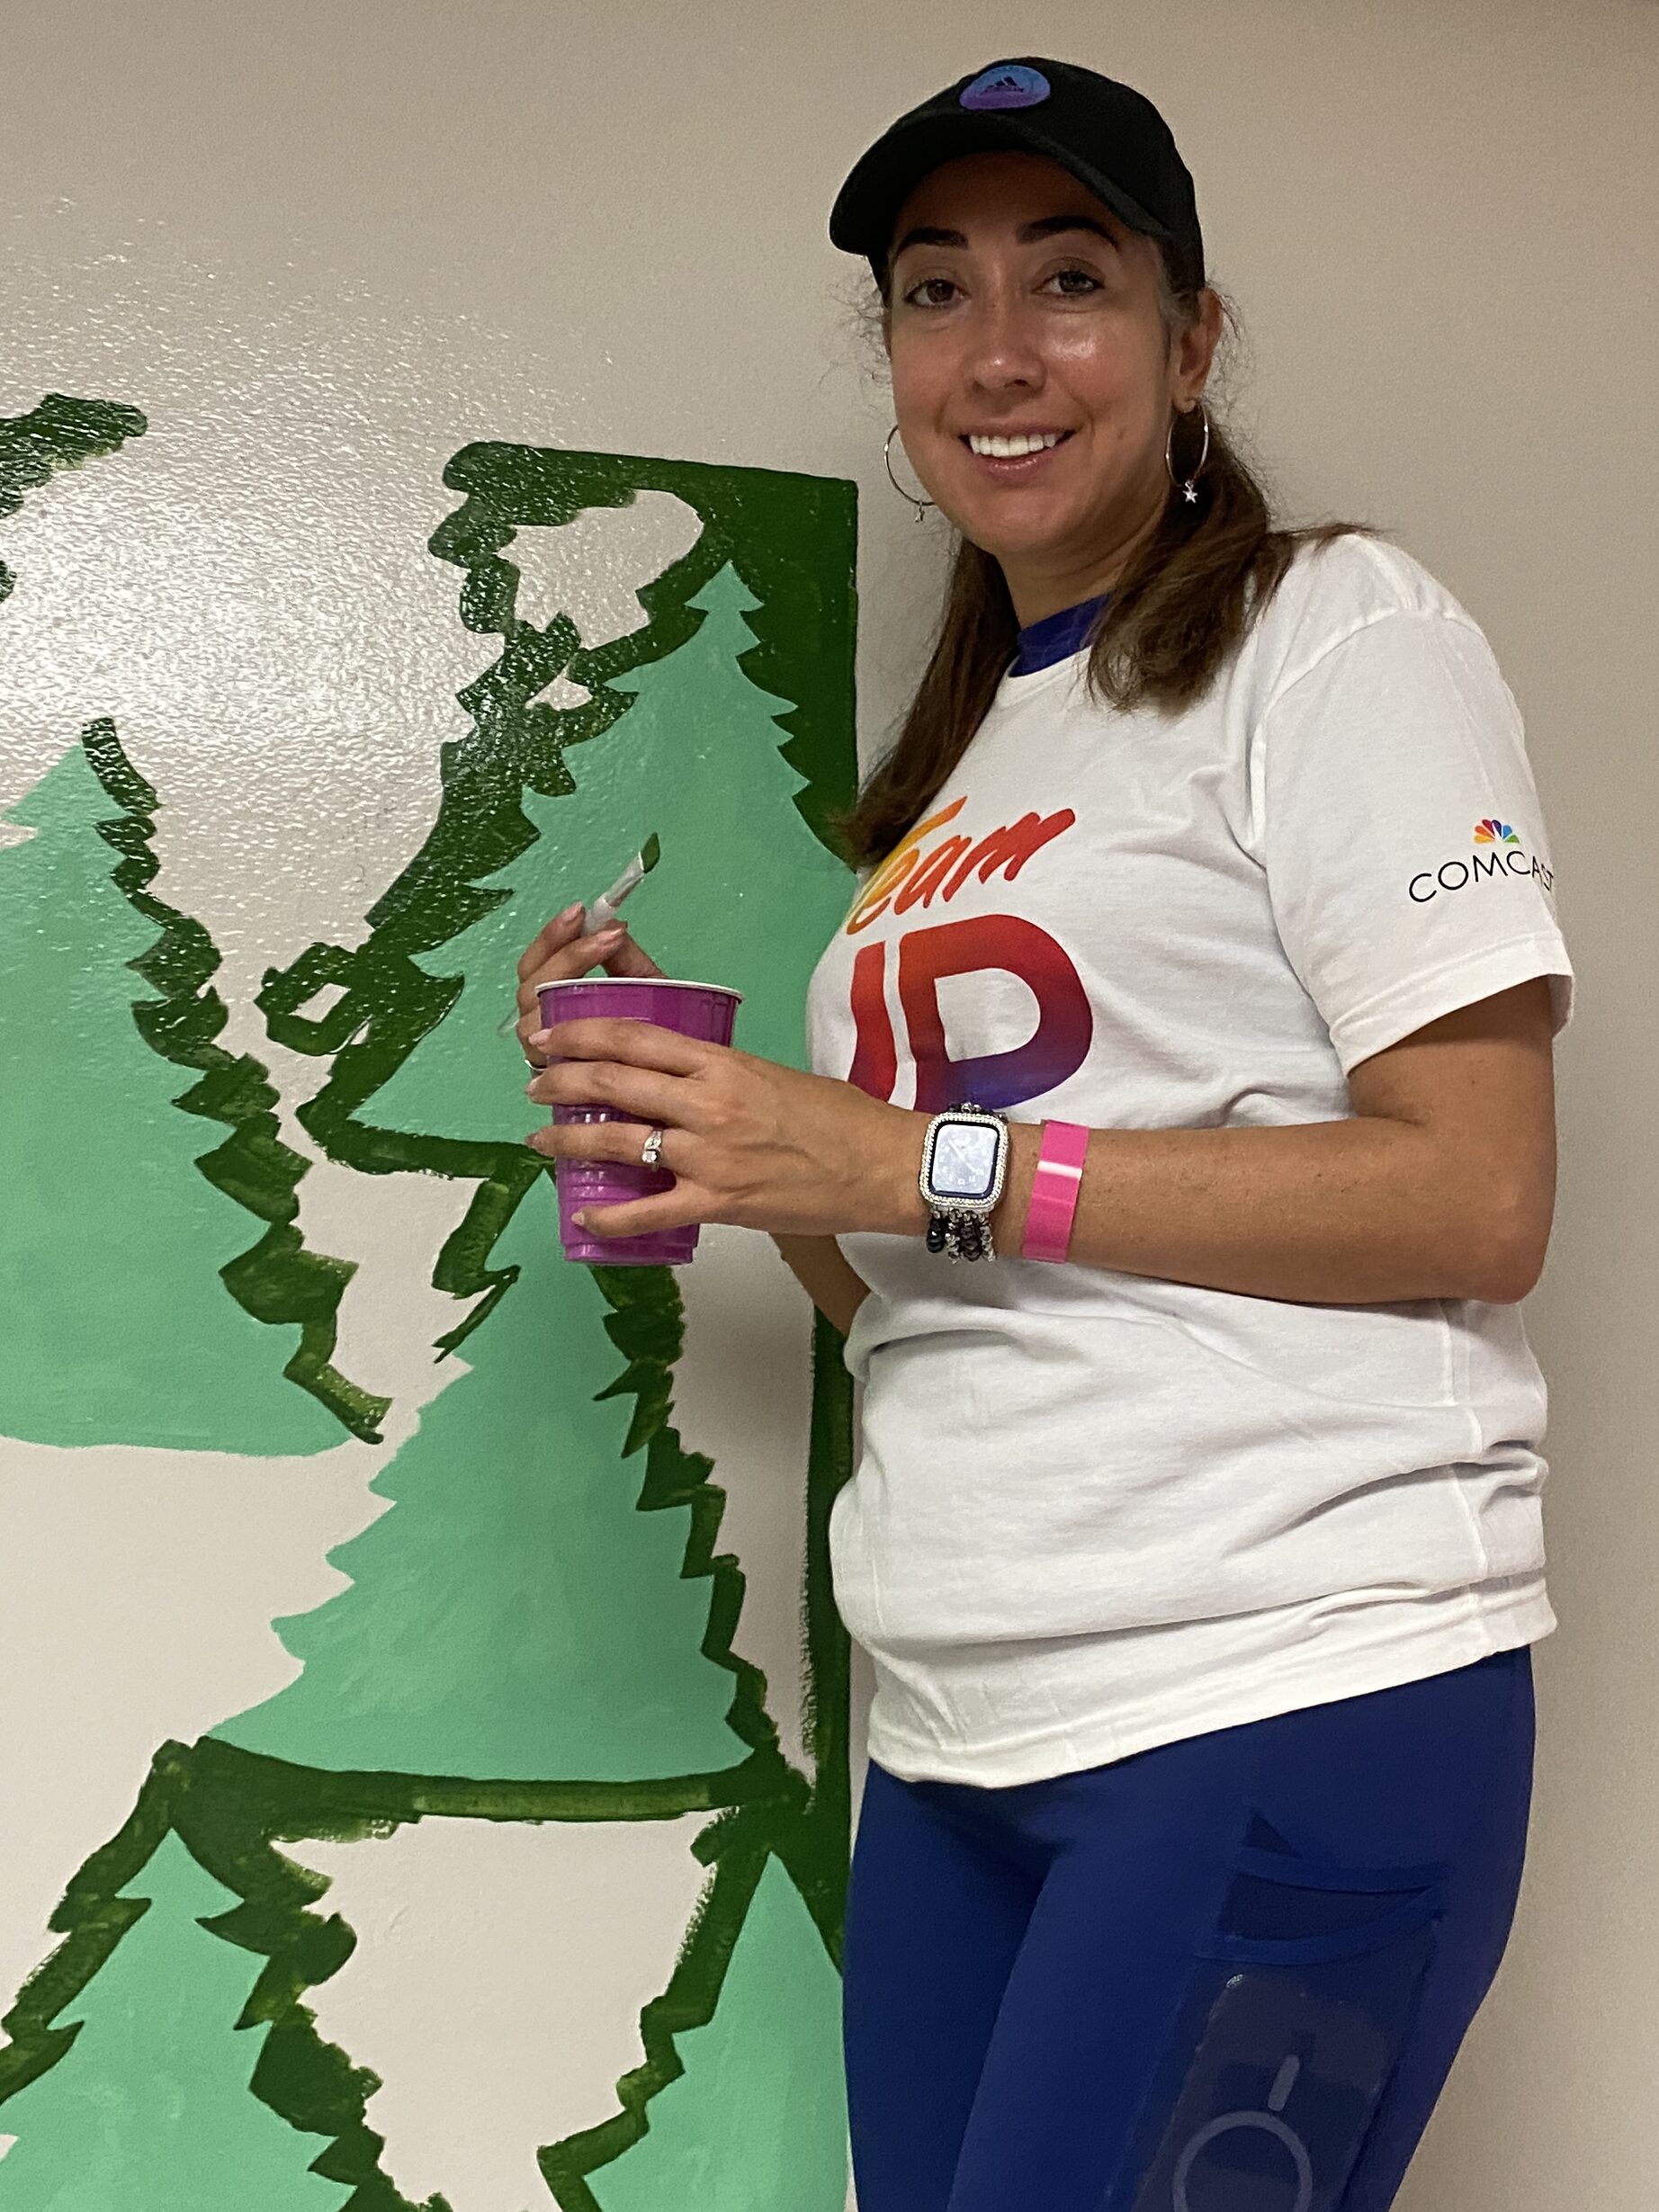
x=1110, y=137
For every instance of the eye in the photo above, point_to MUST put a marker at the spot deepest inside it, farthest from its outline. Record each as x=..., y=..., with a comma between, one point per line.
x=925, y=281
x=1092, y=281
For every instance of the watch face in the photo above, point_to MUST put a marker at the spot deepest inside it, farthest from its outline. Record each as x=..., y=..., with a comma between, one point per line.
x=964, y=1159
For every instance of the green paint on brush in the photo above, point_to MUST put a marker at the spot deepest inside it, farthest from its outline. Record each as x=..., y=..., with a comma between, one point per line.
x=62, y=433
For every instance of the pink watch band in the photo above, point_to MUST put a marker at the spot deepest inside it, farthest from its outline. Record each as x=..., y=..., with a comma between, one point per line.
x=1053, y=1192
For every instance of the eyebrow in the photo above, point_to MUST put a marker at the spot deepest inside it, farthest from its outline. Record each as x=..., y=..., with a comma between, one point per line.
x=1046, y=227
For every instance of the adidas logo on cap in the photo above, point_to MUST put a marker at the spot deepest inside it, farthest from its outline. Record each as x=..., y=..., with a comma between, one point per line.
x=1006, y=85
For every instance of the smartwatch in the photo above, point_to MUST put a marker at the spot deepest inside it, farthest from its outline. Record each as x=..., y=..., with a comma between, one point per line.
x=963, y=1164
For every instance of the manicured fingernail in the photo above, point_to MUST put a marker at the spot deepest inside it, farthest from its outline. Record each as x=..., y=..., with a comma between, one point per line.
x=570, y=913
x=580, y=1220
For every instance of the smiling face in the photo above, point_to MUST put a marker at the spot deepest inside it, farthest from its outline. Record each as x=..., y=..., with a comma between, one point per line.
x=1019, y=304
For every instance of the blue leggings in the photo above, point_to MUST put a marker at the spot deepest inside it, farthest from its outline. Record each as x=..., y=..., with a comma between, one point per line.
x=1229, y=1975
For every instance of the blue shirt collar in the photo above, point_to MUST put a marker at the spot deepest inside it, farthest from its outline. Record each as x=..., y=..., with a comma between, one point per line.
x=1055, y=637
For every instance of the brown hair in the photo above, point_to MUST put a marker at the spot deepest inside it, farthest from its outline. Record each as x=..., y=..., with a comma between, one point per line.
x=1179, y=607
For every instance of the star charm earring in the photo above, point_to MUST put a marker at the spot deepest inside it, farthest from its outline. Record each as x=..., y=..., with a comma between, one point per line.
x=1187, y=490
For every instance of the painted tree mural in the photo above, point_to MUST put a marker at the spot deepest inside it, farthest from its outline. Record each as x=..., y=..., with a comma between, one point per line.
x=95, y=1169
x=713, y=2137
x=517, y=1614
x=540, y=1625
x=62, y=433
x=140, y=1197
x=151, y=2104
x=701, y=732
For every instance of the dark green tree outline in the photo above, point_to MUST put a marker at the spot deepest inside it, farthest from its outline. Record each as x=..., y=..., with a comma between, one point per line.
x=232, y=1807
x=753, y=519
x=62, y=433
x=234, y=1810
x=278, y=1280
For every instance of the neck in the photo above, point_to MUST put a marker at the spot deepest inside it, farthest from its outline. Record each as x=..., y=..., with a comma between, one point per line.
x=1043, y=581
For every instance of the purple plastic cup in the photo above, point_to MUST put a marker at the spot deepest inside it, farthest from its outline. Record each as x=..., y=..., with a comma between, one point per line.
x=706, y=1011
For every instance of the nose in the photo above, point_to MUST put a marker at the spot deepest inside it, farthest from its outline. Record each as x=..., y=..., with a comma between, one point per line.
x=1000, y=346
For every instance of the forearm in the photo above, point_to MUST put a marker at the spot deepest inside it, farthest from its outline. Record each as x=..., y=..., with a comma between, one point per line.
x=1362, y=1211
x=834, y=1288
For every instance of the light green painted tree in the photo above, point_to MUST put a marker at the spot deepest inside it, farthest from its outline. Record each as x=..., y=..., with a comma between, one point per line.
x=150, y=2109
x=759, y=2118
x=542, y=1599
x=696, y=759
x=516, y=1614
x=119, y=1328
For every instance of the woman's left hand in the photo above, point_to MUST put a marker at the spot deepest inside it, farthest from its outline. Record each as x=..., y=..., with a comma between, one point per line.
x=749, y=1141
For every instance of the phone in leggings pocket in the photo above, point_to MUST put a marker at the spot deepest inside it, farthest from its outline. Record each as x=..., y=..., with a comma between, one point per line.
x=1288, y=2061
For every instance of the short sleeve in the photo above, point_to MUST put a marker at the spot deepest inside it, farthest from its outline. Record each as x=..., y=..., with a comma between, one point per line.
x=1407, y=861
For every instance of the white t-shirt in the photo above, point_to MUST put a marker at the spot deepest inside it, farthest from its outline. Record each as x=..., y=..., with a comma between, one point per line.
x=1096, y=1511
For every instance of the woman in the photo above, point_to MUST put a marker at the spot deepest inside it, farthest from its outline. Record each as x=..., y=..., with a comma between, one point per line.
x=1195, y=1535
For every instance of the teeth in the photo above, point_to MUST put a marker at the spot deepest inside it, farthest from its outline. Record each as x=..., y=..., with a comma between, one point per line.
x=1010, y=449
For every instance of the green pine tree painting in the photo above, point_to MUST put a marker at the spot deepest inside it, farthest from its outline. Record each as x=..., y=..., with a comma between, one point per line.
x=540, y=1626
x=150, y=2111
x=516, y=1614
x=757, y=2120
x=105, y=1202
x=695, y=759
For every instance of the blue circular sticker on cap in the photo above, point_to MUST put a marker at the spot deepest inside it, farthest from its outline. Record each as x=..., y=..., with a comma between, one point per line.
x=1006, y=85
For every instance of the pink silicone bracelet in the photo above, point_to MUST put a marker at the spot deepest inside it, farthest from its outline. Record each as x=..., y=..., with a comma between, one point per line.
x=1053, y=1192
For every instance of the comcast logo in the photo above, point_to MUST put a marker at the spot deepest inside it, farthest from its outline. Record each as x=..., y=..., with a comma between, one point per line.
x=1493, y=866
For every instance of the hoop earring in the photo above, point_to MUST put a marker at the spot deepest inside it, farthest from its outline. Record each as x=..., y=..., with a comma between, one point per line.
x=919, y=505
x=1186, y=491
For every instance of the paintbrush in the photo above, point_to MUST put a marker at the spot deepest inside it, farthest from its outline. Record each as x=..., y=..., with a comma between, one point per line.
x=603, y=909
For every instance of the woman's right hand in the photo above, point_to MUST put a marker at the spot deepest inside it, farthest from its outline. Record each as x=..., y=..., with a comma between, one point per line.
x=562, y=952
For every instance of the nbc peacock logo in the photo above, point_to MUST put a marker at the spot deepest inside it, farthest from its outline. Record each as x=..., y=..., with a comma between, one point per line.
x=1506, y=857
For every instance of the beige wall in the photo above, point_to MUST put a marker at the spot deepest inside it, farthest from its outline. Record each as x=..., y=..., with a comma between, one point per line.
x=378, y=230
